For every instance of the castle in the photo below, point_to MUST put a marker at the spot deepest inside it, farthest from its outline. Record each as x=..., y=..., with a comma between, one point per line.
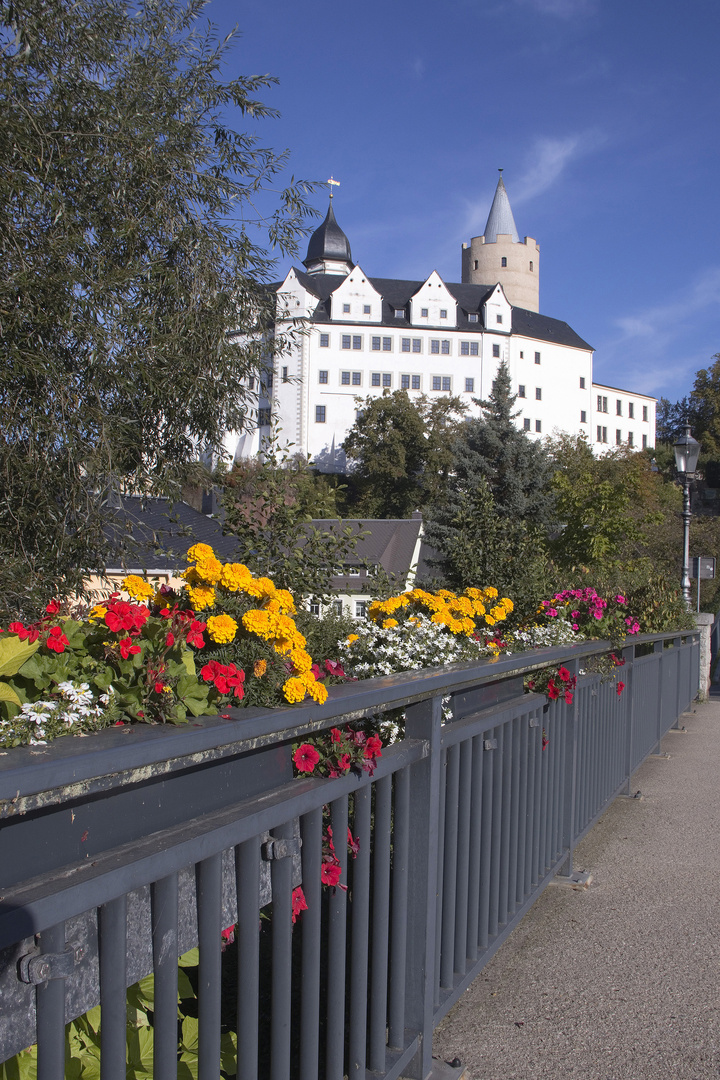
x=368, y=335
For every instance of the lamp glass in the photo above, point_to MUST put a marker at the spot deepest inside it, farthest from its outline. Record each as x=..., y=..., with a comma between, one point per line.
x=687, y=452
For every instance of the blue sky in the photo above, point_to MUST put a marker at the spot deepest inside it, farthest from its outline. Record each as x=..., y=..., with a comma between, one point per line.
x=603, y=114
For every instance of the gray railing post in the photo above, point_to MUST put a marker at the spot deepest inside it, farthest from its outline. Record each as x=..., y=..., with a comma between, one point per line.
x=628, y=655
x=659, y=647
x=677, y=645
x=423, y=722
x=570, y=793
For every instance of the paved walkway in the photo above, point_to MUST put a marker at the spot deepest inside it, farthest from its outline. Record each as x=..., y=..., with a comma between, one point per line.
x=622, y=981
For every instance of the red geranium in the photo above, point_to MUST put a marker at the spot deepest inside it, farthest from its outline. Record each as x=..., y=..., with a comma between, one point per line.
x=29, y=633
x=121, y=615
x=306, y=758
x=333, y=668
x=299, y=903
x=373, y=747
x=620, y=687
x=226, y=677
x=194, y=634
x=128, y=649
x=330, y=872
x=52, y=608
x=568, y=697
x=56, y=640
x=335, y=735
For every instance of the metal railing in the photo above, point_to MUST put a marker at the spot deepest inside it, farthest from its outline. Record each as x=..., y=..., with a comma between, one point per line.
x=462, y=825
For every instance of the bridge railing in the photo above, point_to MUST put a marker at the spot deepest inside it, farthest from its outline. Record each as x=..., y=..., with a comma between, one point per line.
x=120, y=852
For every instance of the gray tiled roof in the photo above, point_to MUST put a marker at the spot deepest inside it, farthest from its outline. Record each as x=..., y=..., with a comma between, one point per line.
x=396, y=294
x=500, y=219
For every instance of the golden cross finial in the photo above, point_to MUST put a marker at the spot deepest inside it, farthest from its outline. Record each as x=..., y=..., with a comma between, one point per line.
x=332, y=183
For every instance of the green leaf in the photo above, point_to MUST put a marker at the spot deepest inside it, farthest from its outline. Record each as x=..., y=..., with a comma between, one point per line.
x=188, y=661
x=190, y=959
x=185, y=988
x=8, y=694
x=190, y=1035
x=14, y=653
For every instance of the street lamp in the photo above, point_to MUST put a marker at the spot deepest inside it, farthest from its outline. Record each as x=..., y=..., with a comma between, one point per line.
x=687, y=451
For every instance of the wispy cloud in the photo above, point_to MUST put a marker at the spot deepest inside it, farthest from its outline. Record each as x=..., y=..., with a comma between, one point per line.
x=649, y=349
x=563, y=9
x=546, y=161
x=418, y=67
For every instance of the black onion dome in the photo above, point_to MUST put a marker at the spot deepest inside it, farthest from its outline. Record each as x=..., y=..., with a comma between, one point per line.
x=328, y=242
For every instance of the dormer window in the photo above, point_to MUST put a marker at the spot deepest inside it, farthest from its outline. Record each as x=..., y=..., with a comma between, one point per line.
x=498, y=318
x=473, y=316
x=346, y=309
x=366, y=309
x=399, y=313
x=503, y=261
x=443, y=313
x=423, y=313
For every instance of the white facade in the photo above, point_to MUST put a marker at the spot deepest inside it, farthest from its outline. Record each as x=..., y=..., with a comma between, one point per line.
x=369, y=336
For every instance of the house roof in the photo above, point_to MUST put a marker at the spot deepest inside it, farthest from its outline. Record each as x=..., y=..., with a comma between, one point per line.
x=396, y=294
x=328, y=242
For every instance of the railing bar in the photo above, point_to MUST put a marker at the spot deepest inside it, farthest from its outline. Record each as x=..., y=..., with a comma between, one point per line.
x=530, y=808
x=524, y=780
x=442, y=811
x=486, y=826
x=282, y=928
x=537, y=754
x=450, y=862
x=335, y=1048
x=51, y=1012
x=561, y=712
x=310, y=924
x=497, y=821
x=380, y=924
x=514, y=816
x=506, y=824
x=360, y=934
x=209, y=909
x=545, y=756
x=164, y=905
x=112, y=929
x=474, y=849
x=463, y=857
x=399, y=908
x=247, y=878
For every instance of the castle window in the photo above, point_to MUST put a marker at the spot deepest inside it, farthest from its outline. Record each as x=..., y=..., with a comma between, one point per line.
x=375, y=378
x=346, y=341
x=601, y=404
x=583, y=416
x=469, y=386
x=263, y=417
x=346, y=309
x=469, y=348
x=476, y=265
x=601, y=434
x=404, y=382
x=531, y=266
x=319, y=414
x=498, y=318
x=357, y=341
x=285, y=377
x=631, y=410
x=423, y=313
x=442, y=382
x=415, y=382
x=357, y=378
x=405, y=344
x=387, y=379
x=345, y=378
x=521, y=390
x=522, y=355
x=434, y=346
x=366, y=309
x=445, y=348
x=473, y=316
x=644, y=442
x=443, y=313
x=618, y=437
x=503, y=261
x=496, y=350
x=582, y=382
x=375, y=344
x=538, y=426
x=645, y=412
x=631, y=439
x=538, y=393
x=526, y=425
x=417, y=345
x=322, y=376
x=618, y=407
x=324, y=341
x=537, y=357
x=399, y=313
x=387, y=344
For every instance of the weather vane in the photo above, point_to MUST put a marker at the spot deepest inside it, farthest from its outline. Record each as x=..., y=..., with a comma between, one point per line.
x=332, y=183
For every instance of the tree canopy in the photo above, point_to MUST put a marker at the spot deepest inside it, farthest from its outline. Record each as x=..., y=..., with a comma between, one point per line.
x=130, y=253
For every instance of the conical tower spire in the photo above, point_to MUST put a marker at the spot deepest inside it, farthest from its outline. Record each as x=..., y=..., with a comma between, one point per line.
x=500, y=219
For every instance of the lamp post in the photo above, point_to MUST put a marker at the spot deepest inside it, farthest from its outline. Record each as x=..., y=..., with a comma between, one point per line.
x=687, y=451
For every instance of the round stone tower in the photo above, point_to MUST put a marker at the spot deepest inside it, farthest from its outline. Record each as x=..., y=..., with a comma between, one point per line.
x=499, y=255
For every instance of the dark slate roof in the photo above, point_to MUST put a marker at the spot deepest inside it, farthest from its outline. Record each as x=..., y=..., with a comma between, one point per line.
x=388, y=543
x=396, y=294
x=161, y=534
x=328, y=241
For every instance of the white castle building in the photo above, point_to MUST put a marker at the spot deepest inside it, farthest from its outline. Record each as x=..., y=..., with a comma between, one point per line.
x=367, y=335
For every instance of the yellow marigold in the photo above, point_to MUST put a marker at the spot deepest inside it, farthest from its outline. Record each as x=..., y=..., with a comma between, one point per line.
x=222, y=628
x=209, y=570
x=201, y=596
x=446, y=594
x=200, y=551
x=461, y=605
x=258, y=622
x=351, y=638
x=285, y=600
x=507, y=604
x=98, y=612
x=137, y=587
x=234, y=576
x=489, y=620
x=491, y=592
x=316, y=690
x=498, y=613
x=389, y=623
x=478, y=608
x=266, y=586
x=259, y=668
x=301, y=660
x=294, y=689
x=474, y=594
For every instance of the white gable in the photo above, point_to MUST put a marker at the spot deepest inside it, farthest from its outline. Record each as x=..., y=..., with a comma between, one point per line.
x=294, y=301
x=433, y=304
x=497, y=312
x=355, y=299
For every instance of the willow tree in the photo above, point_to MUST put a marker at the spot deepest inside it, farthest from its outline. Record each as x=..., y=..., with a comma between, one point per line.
x=133, y=301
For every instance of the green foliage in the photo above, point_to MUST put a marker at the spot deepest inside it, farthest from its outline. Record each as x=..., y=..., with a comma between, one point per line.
x=400, y=452
x=132, y=256
x=269, y=505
